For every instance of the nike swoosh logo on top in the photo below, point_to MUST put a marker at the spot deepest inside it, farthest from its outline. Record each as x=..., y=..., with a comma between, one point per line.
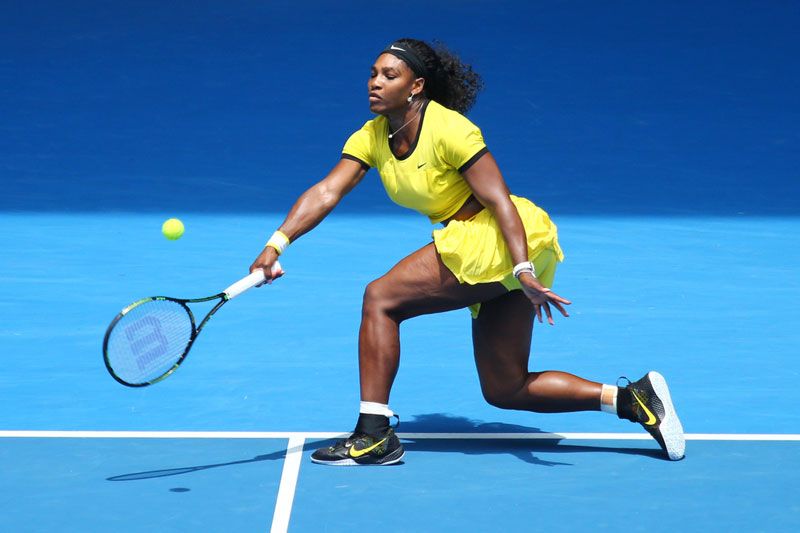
x=358, y=453
x=651, y=418
x=393, y=47
x=422, y=164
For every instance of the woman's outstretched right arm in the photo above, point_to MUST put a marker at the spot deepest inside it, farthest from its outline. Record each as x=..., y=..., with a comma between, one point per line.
x=309, y=210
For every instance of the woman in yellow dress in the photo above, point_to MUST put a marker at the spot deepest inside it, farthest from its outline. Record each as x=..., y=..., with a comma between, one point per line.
x=496, y=254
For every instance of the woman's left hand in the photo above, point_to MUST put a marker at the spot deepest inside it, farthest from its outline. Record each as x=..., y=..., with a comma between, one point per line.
x=540, y=296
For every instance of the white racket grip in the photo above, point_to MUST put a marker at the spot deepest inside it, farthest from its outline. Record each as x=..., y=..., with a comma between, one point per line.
x=248, y=282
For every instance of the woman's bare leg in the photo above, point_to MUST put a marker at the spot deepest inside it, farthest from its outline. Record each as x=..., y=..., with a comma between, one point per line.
x=419, y=284
x=502, y=341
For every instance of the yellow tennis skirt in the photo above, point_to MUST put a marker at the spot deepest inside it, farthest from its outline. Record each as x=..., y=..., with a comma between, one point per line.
x=475, y=251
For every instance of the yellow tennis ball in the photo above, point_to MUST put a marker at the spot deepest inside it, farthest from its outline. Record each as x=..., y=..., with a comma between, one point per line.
x=172, y=229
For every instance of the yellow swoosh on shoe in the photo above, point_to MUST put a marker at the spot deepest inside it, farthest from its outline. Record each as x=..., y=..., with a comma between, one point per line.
x=358, y=453
x=651, y=418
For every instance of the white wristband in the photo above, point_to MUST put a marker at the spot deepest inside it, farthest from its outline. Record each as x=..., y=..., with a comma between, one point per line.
x=525, y=266
x=279, y=241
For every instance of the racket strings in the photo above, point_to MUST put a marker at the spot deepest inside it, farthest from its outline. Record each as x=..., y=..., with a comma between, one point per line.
x=149, y=340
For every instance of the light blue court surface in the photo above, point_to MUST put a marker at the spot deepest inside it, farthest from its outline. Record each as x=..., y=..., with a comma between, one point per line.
x=231, y=485
x=662, y=140
x=282, y=359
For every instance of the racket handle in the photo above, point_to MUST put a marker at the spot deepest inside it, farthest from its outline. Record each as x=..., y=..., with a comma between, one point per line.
x=248, y=282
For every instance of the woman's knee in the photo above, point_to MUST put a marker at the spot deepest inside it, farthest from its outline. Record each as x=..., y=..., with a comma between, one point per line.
x=517, y=396
x=500, y=398
x=377, y=298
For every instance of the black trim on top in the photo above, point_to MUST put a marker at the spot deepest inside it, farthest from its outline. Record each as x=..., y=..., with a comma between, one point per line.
x=472, y=160
x=416, y=139
x=357, y=160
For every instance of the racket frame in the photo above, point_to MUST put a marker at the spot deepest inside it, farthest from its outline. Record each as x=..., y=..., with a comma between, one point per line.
x=254, y=279
x=195, y=332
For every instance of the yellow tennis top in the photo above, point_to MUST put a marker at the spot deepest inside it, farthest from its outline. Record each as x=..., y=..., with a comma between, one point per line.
x=428, y=177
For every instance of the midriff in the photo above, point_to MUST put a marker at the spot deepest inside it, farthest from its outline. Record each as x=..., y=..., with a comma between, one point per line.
x=468, y=209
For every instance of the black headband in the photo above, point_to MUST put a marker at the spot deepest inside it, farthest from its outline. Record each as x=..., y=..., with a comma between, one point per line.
x=408, y=55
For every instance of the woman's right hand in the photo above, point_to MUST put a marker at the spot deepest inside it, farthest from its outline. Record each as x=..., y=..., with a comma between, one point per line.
x=267, y=261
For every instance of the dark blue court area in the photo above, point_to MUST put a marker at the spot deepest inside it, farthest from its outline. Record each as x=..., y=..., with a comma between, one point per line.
x=661, y=138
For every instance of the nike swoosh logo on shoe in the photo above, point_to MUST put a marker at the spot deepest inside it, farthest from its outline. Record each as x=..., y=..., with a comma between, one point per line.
x=651, y=418
x=358, y=453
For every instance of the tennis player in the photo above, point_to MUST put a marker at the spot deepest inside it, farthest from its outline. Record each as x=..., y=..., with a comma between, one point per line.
x=495, y=253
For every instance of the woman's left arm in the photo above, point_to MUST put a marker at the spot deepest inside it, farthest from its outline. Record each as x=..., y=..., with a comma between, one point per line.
x=489, y=187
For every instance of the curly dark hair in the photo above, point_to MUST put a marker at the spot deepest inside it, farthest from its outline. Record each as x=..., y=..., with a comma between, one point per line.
x=450, y=82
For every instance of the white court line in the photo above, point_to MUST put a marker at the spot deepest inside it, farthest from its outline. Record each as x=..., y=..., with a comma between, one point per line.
x=291, y=469
x=414, y=436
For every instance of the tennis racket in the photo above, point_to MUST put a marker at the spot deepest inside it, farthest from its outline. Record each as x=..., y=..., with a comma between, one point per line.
x=148, y=340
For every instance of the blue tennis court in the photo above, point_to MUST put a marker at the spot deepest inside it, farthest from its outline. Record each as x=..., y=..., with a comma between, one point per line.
x=661, y=139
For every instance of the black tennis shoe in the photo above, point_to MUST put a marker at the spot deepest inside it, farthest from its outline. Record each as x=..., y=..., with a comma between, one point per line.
x=362, y=449
x=651, y=406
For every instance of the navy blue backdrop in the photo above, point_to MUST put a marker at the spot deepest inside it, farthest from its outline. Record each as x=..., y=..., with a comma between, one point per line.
x=590, y=107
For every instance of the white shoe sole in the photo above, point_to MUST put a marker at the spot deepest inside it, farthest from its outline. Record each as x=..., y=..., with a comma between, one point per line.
x=670, y=427
x=352, y=462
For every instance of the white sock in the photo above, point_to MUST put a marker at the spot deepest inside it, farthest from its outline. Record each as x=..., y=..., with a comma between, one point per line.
x=374, y=408
x=608, y=399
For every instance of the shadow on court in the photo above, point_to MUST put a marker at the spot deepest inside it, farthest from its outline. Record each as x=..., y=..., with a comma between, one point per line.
x=177, y=471
x=523, y=449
